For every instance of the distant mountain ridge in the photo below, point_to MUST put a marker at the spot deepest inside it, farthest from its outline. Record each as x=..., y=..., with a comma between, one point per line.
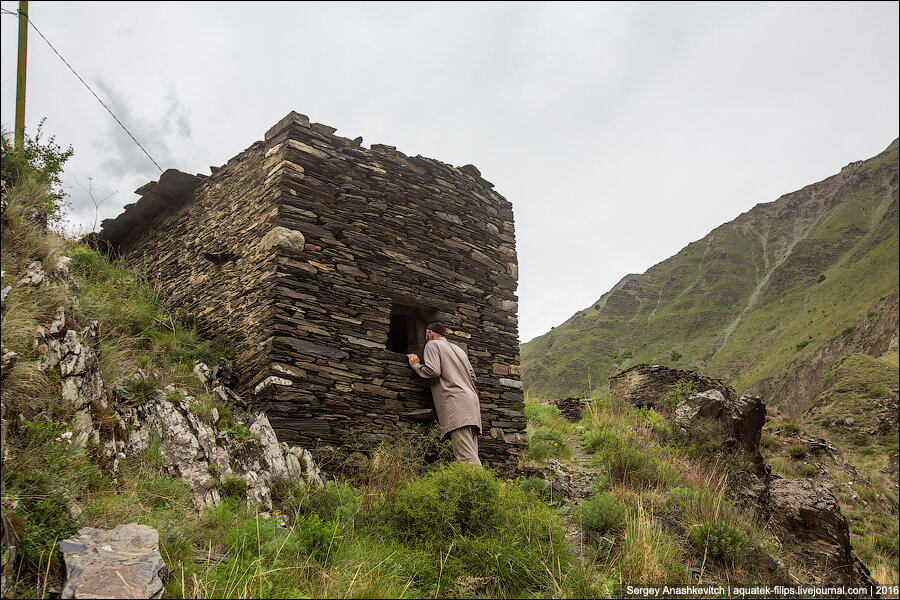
x=788, y=287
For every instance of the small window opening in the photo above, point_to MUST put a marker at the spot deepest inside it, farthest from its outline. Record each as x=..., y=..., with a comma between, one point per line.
x=406, y=333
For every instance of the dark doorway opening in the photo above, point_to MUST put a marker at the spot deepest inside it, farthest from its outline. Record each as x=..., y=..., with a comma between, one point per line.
x=406, y=333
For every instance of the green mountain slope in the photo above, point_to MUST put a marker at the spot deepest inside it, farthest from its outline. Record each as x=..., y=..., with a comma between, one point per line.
x=789, y=287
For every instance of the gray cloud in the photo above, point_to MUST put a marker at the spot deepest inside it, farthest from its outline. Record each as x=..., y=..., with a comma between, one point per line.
x=161, y=135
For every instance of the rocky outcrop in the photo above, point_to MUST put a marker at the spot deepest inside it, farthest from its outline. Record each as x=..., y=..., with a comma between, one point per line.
x=650, y=385
x=121, y=563
x=736, y=423
x=806, y=516
x=204, y=455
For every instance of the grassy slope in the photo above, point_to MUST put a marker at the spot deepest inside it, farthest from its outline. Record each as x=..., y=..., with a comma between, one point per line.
x=678, y=311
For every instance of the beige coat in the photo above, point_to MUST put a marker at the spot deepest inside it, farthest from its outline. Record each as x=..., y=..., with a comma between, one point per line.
x=452, y=380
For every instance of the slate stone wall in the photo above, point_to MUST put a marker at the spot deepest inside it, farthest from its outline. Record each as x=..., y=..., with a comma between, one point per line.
x=338, y=248
x=650, y=385
x=204, y=250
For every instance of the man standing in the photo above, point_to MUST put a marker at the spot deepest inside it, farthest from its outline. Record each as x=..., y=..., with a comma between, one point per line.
x=452, y=381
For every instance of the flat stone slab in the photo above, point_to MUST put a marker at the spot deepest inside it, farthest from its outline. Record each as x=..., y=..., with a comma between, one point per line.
x=119, y=563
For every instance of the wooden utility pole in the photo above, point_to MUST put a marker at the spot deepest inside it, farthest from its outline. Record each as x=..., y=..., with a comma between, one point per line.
x=20, y=77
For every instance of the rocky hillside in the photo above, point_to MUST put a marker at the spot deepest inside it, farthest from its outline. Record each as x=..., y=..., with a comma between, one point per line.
x=770, y=302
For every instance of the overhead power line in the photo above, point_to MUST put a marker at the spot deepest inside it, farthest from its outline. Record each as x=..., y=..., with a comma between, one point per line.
x=30, y=22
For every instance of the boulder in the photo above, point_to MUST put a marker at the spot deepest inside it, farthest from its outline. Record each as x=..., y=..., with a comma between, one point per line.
x=121, y=563
x=805, y=515
x=737, y=424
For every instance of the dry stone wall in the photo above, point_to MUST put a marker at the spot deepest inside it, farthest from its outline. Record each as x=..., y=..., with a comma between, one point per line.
x=650, y=385
x=204, y=248
x=323, y=261
x=387, y=238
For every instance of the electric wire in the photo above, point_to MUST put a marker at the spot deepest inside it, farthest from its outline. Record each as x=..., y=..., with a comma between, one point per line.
x=30, y=22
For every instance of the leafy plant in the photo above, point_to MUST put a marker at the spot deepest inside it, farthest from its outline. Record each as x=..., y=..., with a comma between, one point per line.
x=602, y=513
x=680, y=391
x=142, y=389
x=797, y=452
x=719, y=539
x=544, y=443
x=235, y=486
x=41, y=162
x=318, y=537
x=536, y=486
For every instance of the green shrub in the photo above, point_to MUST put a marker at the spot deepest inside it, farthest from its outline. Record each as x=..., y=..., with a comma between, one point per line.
x=674, y=356
x=456, y=500
x=876, y=391
x=536, y=486
x=790, y=428
x=808, y=470
x=797, y=452
x=240, y=433
x=767, y=440
x=318, y=538
x=471, y=527
x=40, y=162
x=235, y=486
x=680, y=391
x=598, y=439
x=334, y=501
x=602, y=513
x=545, y=443
x=719, y=539
x=640, y=467
x=142, y=389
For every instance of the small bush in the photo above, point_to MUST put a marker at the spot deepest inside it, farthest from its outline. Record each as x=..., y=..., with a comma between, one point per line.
x=602, y=513
x=797, y=452
x=536, y=486
x=142, y=389
x=790, y=428
x=318, y=538
x=876, y=391
x=808, y=470
x=545, y=443
x=235, y=487
x=598, y=439
x=40, y=162
x=719, y=539
x=334, y=501
x=767, y=440
x=472, y=528
x=682, y=389
x=457, y=500
x=240, y=433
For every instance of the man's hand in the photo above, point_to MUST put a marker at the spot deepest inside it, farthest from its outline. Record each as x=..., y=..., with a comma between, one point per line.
x=413, y=360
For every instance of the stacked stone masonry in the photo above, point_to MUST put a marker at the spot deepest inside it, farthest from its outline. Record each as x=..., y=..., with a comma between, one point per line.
x=322, y=261
x=650, y=385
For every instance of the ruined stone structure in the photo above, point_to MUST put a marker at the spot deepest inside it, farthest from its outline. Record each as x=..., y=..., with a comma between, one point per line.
x=650, y=385
x=322, y=262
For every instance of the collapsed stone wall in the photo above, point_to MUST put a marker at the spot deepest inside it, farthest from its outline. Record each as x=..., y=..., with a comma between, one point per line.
x=323, y=261
x=650, y=385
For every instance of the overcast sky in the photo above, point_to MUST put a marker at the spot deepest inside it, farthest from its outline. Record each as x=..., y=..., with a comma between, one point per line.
x=619, y=132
